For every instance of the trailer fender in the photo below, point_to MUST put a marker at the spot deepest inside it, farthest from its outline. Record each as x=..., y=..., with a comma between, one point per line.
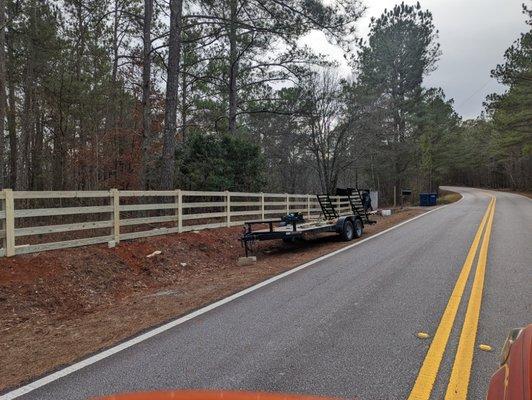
x=352, y=218
x=339, y=226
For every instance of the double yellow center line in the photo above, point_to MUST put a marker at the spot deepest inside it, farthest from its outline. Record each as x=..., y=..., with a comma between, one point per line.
x=459, y=381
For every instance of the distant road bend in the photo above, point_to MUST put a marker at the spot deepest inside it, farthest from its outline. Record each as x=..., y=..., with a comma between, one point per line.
x=346, y=325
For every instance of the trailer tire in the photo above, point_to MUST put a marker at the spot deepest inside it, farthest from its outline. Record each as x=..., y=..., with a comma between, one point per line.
x=359, y=228
x=348, y=231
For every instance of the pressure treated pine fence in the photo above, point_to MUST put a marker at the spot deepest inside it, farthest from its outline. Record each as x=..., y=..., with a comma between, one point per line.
x=38, y=221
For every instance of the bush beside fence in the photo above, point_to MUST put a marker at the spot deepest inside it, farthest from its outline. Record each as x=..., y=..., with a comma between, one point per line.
x=38, y=221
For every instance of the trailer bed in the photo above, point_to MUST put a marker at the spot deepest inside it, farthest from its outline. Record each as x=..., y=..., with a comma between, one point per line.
x=296, y=226
x=308, y=226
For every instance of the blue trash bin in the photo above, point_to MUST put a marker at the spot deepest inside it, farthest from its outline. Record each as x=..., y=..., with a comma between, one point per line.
x=428, y=199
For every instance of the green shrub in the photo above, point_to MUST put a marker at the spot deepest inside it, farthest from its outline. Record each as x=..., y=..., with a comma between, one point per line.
x=220, y=162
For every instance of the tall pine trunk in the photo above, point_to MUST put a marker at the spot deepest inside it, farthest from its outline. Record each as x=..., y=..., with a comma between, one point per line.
x=11, y=113
x=110, y=118
x=28, y=114
x=3, y=101
x=172, y=83
x=81, y=178
x=58, y=159
x=28, y=126
x=184, y=96
x=37, y=178
x=146, y=89
x=233, y=66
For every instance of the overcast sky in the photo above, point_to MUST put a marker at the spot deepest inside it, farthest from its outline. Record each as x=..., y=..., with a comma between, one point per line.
x=473, y=35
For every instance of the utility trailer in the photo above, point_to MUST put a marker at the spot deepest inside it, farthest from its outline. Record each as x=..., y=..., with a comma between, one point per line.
x=295, y=226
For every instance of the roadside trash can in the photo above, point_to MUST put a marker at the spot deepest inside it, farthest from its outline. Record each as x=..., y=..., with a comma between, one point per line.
x=428, y=199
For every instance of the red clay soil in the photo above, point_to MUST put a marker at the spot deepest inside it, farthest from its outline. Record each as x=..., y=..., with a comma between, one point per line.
x=59, y=306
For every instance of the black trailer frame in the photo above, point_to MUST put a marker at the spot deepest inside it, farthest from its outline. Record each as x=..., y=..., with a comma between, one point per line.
x=294, y=226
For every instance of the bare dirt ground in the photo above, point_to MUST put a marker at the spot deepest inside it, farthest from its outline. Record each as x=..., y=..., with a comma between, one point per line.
x=59, y=306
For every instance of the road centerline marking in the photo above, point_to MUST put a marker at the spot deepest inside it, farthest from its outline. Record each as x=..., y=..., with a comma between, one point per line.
x=461, y=371
x=431, y=364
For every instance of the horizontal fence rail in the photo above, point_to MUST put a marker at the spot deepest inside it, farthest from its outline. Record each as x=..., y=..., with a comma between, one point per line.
x=38, y=221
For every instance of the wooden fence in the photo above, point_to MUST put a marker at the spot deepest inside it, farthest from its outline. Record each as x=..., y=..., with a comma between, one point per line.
x=38, y=221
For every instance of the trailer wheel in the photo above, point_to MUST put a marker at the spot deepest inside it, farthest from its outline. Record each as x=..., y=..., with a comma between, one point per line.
x=359, y=228
x=348, y=231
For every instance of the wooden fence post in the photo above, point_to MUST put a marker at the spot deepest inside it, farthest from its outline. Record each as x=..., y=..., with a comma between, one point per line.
x=9, y=204
x=308, y=205
x=116, y=214
x=179, y=210
x=228, y=207
x=262, y=204
x=287, y=203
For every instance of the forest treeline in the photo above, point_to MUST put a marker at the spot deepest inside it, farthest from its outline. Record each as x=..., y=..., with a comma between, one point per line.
x=223, y=95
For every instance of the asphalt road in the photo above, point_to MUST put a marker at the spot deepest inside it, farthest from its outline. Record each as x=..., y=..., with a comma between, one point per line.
x=345, y=326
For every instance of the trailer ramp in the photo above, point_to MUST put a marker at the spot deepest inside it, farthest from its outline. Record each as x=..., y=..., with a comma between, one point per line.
x=327, y=208
x=355, y=201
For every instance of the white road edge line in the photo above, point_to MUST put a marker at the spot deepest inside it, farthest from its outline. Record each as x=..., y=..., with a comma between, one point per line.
x=129, y=343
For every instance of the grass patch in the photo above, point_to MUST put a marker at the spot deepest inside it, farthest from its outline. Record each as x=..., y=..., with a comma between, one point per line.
x=447, y=197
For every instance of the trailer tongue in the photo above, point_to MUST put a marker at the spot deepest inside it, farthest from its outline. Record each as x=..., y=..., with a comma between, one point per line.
x=295, y=225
